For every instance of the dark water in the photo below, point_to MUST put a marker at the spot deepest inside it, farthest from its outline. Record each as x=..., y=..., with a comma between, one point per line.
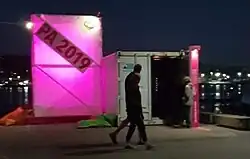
x=12, y=97
x=225, y=98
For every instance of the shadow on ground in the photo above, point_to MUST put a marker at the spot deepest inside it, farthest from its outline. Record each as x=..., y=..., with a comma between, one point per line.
x=91, y=149
x=94, y=152
x=86, y=146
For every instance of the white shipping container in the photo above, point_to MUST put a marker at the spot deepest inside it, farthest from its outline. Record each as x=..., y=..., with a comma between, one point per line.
x=126, y=62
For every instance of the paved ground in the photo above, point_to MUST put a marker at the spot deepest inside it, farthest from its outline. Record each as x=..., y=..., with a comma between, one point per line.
x=66, y=142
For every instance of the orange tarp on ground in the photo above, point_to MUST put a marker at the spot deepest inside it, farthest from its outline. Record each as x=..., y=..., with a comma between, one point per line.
x=15, y=117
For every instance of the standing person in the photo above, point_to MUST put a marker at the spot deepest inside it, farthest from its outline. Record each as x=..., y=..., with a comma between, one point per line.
x=187, y=100
x=134, y=107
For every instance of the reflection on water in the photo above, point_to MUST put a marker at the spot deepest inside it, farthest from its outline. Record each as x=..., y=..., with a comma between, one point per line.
x=12, y=97
x=220, y=98
x=219, y=91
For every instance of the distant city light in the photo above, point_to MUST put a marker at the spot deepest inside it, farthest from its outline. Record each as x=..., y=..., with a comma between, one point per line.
x=217, y=94
x=18, y=77
x=217, y=74
x=239, y=74
x=202, y=74
x=224, y=75
x=248, y=75
x=26, y=89
x=211, y=73
x=26, y=82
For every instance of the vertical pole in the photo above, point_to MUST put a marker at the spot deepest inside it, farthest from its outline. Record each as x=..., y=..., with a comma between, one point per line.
x=194, y=75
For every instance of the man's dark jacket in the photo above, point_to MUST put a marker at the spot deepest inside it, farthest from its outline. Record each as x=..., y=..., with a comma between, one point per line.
x=133, y=94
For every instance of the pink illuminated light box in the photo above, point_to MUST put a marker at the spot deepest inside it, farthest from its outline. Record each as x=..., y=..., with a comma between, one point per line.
x=194, y=74
x=66, y=65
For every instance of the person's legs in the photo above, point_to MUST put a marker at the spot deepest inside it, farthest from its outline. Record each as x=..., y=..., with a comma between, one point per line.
x=142, y=131
x=123, y=124
x=113, y=135
x=187, y=115
x=183, y=115
x=140, y=141
x=188, y=120
x=133, y=119
x=130, y=133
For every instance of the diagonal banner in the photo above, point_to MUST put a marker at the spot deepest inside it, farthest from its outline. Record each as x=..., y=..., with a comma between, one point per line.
x=64, y=47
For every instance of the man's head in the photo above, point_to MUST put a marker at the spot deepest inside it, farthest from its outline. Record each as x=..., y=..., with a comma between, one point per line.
x=137, y=68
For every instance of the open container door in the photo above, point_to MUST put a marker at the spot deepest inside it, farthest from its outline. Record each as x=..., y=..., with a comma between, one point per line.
x=126, y=62
x=167, y=87
x=164, y=99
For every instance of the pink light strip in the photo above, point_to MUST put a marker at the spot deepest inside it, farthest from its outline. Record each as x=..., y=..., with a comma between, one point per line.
x=194, y=74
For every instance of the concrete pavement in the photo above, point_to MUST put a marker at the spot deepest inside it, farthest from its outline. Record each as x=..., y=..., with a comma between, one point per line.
x=65, y=141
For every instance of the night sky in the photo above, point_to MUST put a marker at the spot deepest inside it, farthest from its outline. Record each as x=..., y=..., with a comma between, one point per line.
x=222, y=27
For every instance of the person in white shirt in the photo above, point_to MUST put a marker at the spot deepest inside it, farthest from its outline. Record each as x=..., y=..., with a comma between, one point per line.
x=187, y=100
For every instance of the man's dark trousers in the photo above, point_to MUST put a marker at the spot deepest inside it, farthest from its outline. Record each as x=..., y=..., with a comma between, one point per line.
x=135, y=119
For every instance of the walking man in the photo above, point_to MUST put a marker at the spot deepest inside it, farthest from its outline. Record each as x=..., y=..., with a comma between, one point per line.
x=134, y=107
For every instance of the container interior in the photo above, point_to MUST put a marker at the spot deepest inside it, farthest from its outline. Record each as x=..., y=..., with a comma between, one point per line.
x=167, y=87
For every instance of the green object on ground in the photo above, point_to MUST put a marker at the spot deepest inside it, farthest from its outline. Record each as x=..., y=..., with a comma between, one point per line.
x=111, y=119
x=93, y=123
x=105, y=120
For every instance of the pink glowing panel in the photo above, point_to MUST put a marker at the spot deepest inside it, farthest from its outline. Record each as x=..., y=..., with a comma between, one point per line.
x=194, y=74
x=109, y=84
x=60, y=88
x=84, y=31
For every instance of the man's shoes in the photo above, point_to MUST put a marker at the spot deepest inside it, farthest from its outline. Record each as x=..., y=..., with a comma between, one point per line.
x=113, y=138
x=149, y=146
x=129, y=146
x=140, y=143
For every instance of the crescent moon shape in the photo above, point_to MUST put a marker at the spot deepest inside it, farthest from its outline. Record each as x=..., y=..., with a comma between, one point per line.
x=88, y=25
